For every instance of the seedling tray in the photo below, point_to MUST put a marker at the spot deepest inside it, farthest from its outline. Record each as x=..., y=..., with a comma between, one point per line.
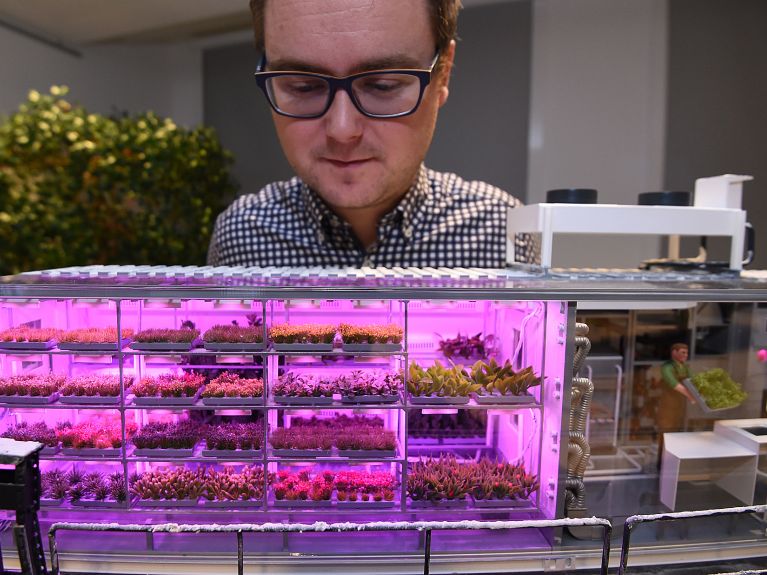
x=234, y=346
x=369, y=398
x=163, y=453
x=367, y=453
x=51, y=502
x=372, y=347
x=497, y=399
x=302, y=452
x=701, y=402
x=233, y=453
x=161, y=346
x=92, y=451
x=442, y=504
x=500, y=503
x=28, y=345
x=437, y=400
x=233, y=503
x=290, y=400
x=308, y=347
x=167, y=401
x=154, y=503
x=89, y=400
x=303, y=504
x=29, y=399
x=48, y=450
x=96, y=346
x=95, y=503
x=233, y=401
x=365, y=504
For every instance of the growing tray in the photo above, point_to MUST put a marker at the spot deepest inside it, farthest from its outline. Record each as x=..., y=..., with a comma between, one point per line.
x=701, y=402
x=167, y=401
x=290, y=400
x=233, y=453
x=51, y=502
x=369, y=398
x=504, y=399
x=163, y=453
x=154, y=503
x=302, y=452
x=89, y=400
x=500, y=503
x=245, y=347
x=233, y=401
x=303, y=504
x=368, y=453
x=366, y=504
x=92, y=451
x=233, y=503
x=99, y=346
x=28, y=345
x=436, y=400
x=95, y=503
x=443, y=504
x=161, y=346
x=373, y=347
x=29, y=399
x=313, y=347
x=48, y=450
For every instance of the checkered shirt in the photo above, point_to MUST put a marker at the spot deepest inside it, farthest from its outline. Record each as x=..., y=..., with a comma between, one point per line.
x=442, y=221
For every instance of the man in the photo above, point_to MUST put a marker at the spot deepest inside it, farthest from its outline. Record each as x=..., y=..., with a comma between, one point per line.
x=673, y=400
x=676, y=370
x=355, y=87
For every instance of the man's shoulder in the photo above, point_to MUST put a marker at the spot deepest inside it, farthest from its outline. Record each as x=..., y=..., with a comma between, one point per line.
x=455, y=189
x=274, y=197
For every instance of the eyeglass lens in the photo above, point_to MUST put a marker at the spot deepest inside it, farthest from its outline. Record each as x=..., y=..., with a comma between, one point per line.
x=377, y=94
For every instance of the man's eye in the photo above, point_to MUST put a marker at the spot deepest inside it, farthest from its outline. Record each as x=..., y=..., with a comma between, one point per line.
x=381, y=85
x=304, y=87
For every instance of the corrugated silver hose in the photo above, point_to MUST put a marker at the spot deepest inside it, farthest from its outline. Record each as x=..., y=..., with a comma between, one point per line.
x=578, y=449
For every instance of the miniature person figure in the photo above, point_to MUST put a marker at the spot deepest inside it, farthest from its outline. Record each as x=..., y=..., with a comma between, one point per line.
x=676, y=370
x=673, y=400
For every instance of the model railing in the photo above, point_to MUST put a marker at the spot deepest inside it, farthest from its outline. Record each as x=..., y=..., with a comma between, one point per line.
x=425, y=527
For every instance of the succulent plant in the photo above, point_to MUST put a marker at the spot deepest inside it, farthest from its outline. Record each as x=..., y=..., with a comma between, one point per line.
x=233, y=436
x=39, y=432
x=230, y=384
x=99, y=432
x=438, y=480
x=366, y=439
x=501, y=480
x=305, y=333
x=370, y=334
x=170, y=484
x=231, y=485
x=502, y=379
x=301, y=486
x=169, y=385
x=467, y=347
x=168, y=435
x=440, y=381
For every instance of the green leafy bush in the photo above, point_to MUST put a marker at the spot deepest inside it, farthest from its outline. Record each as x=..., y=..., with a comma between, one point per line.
x=79, y=188
x=718, y=389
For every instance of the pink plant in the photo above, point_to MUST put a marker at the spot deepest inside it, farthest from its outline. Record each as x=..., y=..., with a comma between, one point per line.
x=30, y=334
x=169, y=385
x=302, y=486
x=183, y=335
x=234, y=334
x=100, y=433
x=365, y=485
x=230, y=384
x=299, y=385
x=94, y=335
x=31, y=385
x=303, y=333
x=370, y=334
x=94, y=385
x=32, y=432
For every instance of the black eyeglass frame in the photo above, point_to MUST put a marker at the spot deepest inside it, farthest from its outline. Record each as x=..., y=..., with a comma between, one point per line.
x=345, y=83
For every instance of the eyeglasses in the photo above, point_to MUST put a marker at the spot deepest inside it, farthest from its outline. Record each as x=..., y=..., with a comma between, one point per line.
x=376, y=94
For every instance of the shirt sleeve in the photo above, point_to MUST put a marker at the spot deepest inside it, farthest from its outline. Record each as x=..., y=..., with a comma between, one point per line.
x=669, y=374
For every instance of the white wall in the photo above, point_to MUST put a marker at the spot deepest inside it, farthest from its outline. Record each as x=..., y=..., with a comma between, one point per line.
x=598, y=113
x=164, y=78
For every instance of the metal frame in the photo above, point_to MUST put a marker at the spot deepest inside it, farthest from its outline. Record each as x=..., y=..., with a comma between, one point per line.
x=634, y=520
x=426, y=527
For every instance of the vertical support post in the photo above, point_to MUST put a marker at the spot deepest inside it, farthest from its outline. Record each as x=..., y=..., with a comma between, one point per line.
x=427, y=552
x=240, y=554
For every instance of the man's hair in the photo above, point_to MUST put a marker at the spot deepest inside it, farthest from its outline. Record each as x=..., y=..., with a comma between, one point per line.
x=677, y=346
x=444, y=21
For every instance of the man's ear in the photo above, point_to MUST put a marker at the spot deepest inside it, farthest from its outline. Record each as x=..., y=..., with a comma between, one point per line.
x=445, y=67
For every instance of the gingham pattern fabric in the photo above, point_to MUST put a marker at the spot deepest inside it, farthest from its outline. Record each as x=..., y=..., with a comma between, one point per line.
x=442, y=221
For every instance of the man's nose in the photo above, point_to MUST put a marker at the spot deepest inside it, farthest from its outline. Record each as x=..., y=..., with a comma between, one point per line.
x=343, y=121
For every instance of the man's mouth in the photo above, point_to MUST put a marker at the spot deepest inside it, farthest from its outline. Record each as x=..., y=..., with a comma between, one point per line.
x=352, y=163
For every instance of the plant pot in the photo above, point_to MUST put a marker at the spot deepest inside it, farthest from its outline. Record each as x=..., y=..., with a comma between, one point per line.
x=29, y=399
x=368, y=453
x=372, y=347
x=28, y=345
x=96, y=346
x=231, y=503
x=233, y=401
x=303, y=504
x=95, y=503
x=308, y=347
x=500, y=503
x=163, y=453
x=234, y=346
x=90, y=400
x=441, y=504
x=366, y=504
x=162, y=346
x=498, y=399
x=369, y=398
x=236, y=454
x=438, y=400
x=292, y=400
x=308, y=453
x=154, y=503
x=167, y=401
x=92, y=451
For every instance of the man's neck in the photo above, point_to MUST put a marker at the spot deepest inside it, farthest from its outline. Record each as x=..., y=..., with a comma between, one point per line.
x=364, y=221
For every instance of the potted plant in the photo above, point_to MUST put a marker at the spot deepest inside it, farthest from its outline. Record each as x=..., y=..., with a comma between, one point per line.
x=93, y=389
x=38, y=432
x=98, y=437
x=167, y=439
x=230, y=389
x=164, y=339
x=234, y=338
x=301, y=441
x=438, y=483
x=501, y=384
x=94, y=339
x=234, y=440
x=369, y=387
x=377, y=338
x=301, y=489
x=230, y=488
x=25, y=338
x=175, y=487
x=30, y=389
x=98, y=490
x=501, y=484
x=467, y=347
x=54, y=486
x=303, y=337
x=366, y=442
x=298, y=389
x=364, y=489
x=439, y=385
x=168, y=389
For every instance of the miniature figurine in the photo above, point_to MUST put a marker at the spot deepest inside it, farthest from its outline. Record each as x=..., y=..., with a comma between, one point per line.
x=676, y=371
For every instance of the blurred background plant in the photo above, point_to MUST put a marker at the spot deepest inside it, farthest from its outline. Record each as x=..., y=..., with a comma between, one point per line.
x=79, y=188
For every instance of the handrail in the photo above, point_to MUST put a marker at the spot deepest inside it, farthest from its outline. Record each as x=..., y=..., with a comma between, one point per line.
x=318, y=527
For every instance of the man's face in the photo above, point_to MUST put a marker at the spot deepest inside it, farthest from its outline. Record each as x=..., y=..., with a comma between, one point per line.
x=680, y=354
x=351, y=160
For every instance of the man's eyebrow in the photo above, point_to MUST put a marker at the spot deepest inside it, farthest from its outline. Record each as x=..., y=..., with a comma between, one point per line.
x=389, y=62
